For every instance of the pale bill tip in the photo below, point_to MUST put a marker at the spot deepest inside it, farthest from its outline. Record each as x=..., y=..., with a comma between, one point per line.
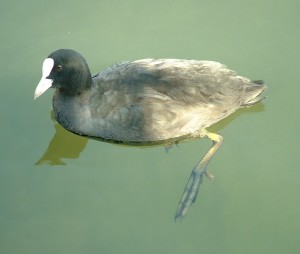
x=42, y=87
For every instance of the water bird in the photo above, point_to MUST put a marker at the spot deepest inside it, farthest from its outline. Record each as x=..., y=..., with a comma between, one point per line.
x=147, y=102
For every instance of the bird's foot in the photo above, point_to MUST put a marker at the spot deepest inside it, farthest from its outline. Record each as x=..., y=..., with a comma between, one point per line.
x=190, y=192
x=210, y=176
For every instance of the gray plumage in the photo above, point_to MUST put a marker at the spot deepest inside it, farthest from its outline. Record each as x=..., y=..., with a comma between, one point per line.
x=150, y=101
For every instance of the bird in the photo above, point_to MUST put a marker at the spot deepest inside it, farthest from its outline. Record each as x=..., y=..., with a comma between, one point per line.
x=147, y=102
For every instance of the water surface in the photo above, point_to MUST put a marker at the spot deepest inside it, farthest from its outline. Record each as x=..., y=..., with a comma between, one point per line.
x=60, y=193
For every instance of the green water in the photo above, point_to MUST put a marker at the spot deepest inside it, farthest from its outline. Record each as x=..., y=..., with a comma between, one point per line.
x=60, y=193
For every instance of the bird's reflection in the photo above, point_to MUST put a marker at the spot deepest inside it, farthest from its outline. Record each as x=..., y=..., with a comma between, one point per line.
x=65, y=144
x=242, y=111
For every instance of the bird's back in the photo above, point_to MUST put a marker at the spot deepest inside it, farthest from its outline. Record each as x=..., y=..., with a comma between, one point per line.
x=155, y=100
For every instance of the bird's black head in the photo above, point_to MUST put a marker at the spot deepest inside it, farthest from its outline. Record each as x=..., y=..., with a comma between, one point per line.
x=65, y=70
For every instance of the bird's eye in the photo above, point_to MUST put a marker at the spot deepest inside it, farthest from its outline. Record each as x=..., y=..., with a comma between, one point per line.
x=58, y=67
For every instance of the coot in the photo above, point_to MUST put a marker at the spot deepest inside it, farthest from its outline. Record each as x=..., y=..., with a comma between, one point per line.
x=146, y=102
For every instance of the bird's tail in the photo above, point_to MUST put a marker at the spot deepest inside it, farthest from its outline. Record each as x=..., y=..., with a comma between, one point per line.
x=252, y=92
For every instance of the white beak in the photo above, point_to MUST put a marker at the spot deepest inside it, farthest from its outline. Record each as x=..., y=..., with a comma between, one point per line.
x=44, y=83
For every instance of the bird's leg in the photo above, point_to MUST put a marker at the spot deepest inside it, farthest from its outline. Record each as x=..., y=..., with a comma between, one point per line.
x=168, y=146
x=192, y=187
